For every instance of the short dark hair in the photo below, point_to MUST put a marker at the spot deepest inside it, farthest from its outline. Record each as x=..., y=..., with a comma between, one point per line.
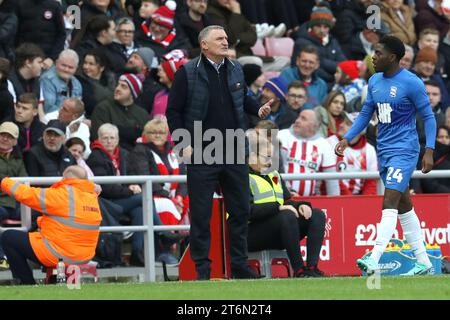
x=75, y=140
x=394, y=45
x=27, y=51
x=297, y=84
x=99, y=57
x=310, y=49
x=432, y=83
x=97, y=24
x=443, y=128
x=5, y=67
x=28, y=98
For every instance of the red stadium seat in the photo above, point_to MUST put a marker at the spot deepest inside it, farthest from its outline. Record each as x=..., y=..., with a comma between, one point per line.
x=283, y=47
x=258, y=49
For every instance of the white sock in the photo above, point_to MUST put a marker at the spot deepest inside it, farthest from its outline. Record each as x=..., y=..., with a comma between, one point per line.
x=413, y=234
x=384, y=232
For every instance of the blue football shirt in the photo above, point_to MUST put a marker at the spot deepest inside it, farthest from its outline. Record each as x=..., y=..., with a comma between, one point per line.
x=396, y=99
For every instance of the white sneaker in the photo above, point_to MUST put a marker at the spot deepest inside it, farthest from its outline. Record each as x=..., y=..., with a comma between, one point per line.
x=270, y=31
x=280, y=30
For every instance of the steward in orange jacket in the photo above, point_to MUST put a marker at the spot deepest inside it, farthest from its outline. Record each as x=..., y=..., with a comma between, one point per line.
x=69, y=226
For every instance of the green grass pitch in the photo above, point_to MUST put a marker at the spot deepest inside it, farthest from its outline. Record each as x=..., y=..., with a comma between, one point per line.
x=342, y=288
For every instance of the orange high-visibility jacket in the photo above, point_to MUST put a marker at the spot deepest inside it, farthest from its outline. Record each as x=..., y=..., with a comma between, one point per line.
x=69, y=226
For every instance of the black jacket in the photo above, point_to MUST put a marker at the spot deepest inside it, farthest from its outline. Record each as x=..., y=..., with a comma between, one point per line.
x=8, y=29
x=36, y=130
x=101, y=165
x=191, y=31
x=150, y=87
x=95, y=91
x=441, y=157
x=142, y=162
x=21, y=85
x=88, y=10
x=116, y=61
x=354, y=49
x=350, y=21
x=240, y=32
x=42, y=23
x=220, y=110
x=262, y=211
x=40, y=162
x=7, y=102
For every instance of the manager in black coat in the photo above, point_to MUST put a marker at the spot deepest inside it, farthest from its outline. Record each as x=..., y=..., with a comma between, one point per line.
x=211, y=89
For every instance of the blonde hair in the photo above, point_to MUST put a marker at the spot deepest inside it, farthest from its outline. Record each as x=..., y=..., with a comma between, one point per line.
x=156, y=124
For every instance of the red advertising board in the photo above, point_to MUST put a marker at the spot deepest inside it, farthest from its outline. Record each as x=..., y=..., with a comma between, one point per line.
x=351, y=227
x=351, y=230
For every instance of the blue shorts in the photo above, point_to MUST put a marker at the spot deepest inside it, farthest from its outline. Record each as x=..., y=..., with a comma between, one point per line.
x=396, y=170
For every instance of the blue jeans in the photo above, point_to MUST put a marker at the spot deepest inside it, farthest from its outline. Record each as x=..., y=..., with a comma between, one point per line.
x=132, y=207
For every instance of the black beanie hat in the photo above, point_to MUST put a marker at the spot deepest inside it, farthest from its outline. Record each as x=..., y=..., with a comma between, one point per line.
x=251, y=73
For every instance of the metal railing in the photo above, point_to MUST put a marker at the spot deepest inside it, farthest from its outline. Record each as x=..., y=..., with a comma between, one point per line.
x=147, y=181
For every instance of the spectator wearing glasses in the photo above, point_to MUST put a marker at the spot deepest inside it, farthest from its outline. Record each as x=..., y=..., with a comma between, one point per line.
x=297, y=96
x=154, y=156
x=124, y=41
x=278, y=222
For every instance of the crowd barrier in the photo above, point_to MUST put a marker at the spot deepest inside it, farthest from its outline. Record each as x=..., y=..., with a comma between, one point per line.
x=350, y=228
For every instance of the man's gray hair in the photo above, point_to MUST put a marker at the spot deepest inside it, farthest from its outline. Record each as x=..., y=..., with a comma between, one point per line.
x=124, y=20
x=205, y=32
x=71, y=54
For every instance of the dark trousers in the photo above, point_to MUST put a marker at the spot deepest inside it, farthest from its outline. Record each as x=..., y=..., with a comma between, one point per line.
x=18, y=249
x=202, y=181
x=284, y=231
x=9, y=213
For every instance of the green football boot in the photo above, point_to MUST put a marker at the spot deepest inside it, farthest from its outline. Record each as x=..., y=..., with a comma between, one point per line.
x=367, y=264
x=419, y=269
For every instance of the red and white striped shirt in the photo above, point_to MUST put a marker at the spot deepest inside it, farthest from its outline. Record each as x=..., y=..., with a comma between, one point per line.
x=305, y=156
x=358, y=158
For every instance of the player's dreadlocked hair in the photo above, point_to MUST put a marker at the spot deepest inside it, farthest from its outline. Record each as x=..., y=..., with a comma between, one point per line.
x=394, y=45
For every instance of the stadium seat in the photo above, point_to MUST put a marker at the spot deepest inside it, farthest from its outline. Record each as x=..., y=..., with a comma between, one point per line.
x=269, y=261
x=258, y=49
x=283, y=47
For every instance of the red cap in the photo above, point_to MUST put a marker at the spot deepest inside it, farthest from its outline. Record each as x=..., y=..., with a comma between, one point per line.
x=351, y=68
